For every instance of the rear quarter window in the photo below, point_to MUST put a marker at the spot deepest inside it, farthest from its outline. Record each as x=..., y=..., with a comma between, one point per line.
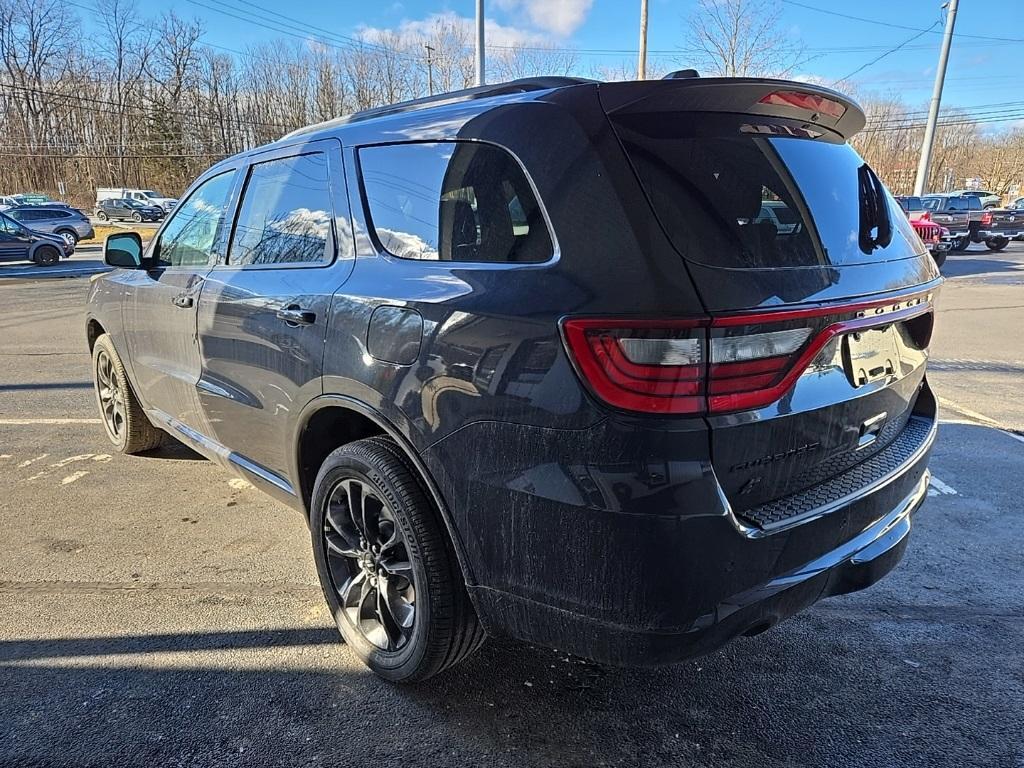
x=453, y=201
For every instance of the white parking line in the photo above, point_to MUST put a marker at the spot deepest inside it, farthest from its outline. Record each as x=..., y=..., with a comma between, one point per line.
x=27, y=422
x=939, y=488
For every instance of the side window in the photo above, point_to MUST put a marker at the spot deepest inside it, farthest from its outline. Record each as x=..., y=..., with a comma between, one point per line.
x=190, y=233
x=286, y=212
x=974, y=202
x=957, y=204
x=453, y=201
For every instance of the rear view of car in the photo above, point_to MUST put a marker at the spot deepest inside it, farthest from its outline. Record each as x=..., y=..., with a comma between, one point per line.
x=650, y=354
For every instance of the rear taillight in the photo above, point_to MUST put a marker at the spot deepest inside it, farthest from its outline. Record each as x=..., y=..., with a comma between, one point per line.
x=986, y=218
x=716, y=365
x=654, y=367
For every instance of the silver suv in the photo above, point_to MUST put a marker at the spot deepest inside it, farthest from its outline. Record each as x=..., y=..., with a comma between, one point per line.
x=69, y=223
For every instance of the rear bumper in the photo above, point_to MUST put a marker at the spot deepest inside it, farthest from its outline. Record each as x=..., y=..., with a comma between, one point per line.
x=617, y=544
x=858, y=564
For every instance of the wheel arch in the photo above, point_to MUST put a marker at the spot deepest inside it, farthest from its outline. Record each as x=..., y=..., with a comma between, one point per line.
x=93, y=330
x=319, y=426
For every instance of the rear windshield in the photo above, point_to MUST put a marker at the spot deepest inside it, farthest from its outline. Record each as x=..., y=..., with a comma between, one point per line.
x=732, y=192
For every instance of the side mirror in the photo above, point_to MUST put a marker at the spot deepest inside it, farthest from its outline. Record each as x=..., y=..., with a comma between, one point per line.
x=123, y=249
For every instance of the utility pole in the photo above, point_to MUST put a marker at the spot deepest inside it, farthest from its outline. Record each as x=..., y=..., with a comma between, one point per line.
x=933, y=110
x=641, y=65
x=480, y=75
x=430, y=69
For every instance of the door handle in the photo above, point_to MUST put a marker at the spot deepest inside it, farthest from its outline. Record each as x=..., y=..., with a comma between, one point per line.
x=182, y=300
x=294, y=315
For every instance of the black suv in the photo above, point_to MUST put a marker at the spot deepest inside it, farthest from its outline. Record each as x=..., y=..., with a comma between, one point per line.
x=532, y=361
x=123, y=208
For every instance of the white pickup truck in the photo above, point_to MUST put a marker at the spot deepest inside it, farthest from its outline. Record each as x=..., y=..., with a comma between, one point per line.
x=147, y=196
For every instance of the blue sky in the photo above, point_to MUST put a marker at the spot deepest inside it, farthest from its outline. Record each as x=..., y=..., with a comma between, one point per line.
x=982, y=71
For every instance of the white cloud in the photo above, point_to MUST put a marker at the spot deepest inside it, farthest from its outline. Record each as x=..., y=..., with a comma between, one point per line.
x=421, y=29
x=559, y=17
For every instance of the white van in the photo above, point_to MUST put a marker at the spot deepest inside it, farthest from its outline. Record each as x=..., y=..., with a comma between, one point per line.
x=147, y=196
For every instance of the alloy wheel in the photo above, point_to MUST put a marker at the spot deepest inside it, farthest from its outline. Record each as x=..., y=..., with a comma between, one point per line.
x=369, y=565
x=110, y=394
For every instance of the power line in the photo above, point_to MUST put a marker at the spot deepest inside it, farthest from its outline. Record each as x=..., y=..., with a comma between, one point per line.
x=887, y=53
x=890, y=25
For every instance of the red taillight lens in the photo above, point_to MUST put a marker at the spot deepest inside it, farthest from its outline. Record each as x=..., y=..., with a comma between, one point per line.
x=729, y=363
x=654, y=367
x=808, y=101
x=986, y=218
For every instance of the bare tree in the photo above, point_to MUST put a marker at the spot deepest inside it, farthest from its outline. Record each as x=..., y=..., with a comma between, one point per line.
x=741, y=38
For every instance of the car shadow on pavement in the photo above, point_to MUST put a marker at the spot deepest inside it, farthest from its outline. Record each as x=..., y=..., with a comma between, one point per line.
x=801, y=694
x=41, y=386
x=975, y=264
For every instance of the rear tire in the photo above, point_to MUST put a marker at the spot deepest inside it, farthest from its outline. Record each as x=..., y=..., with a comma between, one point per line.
x=46, y=256
x=123, y=418
x=997, y=243
x=101, y=215
x=389, y=573
x=69, y=234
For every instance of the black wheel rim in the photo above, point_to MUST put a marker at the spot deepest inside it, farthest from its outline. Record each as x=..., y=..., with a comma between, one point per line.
x=369, y=565
x=110, y=395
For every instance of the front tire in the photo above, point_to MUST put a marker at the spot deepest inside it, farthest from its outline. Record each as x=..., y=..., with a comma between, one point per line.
x=386, y=565
x=960, y=244
x=123, y=419
x=997, y=243
x=46, y=256
x=939, y=257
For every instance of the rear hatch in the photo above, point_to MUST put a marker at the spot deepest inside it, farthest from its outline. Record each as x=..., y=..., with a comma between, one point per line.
x=818, y=292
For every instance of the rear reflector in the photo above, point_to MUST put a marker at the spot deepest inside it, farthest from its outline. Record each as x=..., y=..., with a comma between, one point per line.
x=806, y=101
x=729, y=363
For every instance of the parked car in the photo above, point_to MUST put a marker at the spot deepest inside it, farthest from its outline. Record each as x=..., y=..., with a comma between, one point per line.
x=988, y=199
x=19, y=243
x=70, y=223
x=144, y=196
x=935, y=238
x=913, y=207
x=123, y=208
x=963, y=215
x=631, y=430
x=1006, y=224
x=6, y=202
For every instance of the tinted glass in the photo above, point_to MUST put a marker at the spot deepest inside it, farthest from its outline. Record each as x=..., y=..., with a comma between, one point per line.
x=286, y=212
x=8, y=227
x=974, y=203
x=189, y=236
x=453, y=201
x=30, y=215
x=709, y=179
x=932, y=203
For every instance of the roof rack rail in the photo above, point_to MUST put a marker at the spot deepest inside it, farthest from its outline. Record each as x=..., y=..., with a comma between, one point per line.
x=522, y=85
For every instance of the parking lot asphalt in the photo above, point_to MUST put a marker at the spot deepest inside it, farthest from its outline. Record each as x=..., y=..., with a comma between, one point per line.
x=157, y=611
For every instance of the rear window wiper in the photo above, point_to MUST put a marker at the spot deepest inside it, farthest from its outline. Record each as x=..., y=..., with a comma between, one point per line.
x=875, y=223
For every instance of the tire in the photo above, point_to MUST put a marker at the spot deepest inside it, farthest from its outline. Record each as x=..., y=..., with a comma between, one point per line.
x=997, y=243
x=960, y=244
x=137, y=217
x=46, y=256
x=123, y=418
x=939, y=257
x=102, y=215
x=442, y=627
x=69, y=234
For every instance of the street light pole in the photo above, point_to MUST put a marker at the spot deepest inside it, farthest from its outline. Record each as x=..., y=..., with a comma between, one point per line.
x=430, y=68
x=641, y=65
x=933, y=110
x=480, y=74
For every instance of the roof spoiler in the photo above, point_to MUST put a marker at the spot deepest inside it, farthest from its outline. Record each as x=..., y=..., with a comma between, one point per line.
x=812, y=104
